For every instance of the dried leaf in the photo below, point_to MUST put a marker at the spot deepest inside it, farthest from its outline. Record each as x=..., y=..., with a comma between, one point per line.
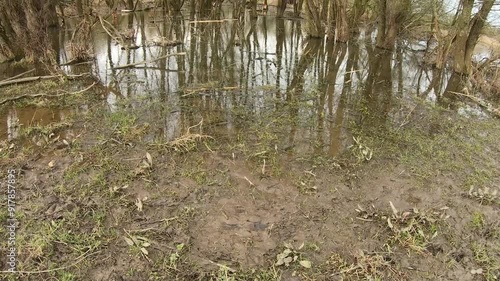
x=52, y=163
x=138, y=203
x=150, y=159
x=129, y=241
x=476, y=271
x=116, y=188
x=287, y=260
x=146, y=244
x=389, y=223
x=394, y=210
x=144, y=251
x=140, y=238
x=306, y=263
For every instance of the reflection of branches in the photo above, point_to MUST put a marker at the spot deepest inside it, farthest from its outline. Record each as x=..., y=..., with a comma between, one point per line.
x=311, y=49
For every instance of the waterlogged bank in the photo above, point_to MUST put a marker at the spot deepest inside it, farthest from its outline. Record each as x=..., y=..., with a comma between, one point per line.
x=255, y=156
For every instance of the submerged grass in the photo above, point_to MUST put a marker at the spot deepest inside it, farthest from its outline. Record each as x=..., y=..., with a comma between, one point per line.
x=436, y=143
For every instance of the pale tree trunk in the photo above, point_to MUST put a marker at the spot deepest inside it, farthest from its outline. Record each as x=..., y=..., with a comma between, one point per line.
x=461, y=34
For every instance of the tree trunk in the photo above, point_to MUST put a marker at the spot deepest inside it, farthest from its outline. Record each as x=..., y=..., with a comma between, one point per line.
x=462, y=32
x=467, y=39
x=358, y=9
x=253, y=8
x=53, y=21
x=281, y=7
x=130, y=4
x=25, y=28
x=338, y=25
x=297, y=7
x=391, y=14
x=314, y=14
x=79, y=7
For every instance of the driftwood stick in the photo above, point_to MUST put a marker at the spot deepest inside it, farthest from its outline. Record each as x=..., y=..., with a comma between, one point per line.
x=45, y=95
x=19, y=75
x=494, y=111
x=148, y=61
x=37, y=78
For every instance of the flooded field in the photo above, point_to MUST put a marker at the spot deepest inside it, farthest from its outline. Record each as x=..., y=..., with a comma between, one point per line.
x=211, y=70
x=207, y=147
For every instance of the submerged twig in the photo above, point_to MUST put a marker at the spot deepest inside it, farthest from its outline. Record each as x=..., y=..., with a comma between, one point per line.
x=148, y=61
x=36, y=78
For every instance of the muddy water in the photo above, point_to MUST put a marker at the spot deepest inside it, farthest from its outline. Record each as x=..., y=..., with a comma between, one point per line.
x=235, y=74
x=13, y=120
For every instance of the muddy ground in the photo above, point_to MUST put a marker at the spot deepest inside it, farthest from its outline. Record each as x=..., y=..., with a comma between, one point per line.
x=102, y=195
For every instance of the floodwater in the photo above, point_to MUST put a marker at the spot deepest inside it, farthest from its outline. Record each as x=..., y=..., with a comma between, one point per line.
x=237, y=75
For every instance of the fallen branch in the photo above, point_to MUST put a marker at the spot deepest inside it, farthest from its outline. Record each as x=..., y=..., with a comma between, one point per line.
x=148, y=61
x=159, y=68
x=164, y=43
x=19, y=75
x=45, y=95
x=116, y=38
x=481, y=102
x=77, y=61
x=37, y=78
x=211, y=21
x=195, y=91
